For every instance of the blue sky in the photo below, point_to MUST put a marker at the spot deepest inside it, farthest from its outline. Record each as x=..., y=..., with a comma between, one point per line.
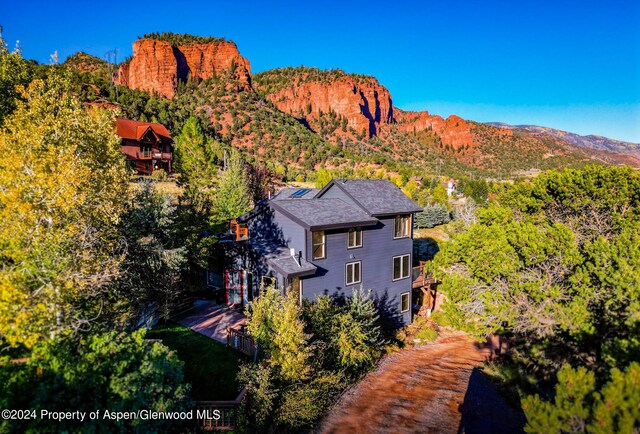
x=568, y=65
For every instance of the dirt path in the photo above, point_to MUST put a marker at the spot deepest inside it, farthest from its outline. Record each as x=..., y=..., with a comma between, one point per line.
x=423, y=390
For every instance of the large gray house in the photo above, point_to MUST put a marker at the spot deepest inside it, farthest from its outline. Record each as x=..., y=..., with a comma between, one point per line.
x=349, y=234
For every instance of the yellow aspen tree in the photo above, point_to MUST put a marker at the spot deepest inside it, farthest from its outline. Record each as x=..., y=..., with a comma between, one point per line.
x=63, y=187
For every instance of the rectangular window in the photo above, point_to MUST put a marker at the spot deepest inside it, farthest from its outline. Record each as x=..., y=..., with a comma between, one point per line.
x=319, y=245
x=404, y=302
x=354, y=238
x=401, y=269
x=402, y=227
x=353, y=273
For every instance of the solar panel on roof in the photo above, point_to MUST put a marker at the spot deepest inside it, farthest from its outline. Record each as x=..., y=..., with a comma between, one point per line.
x=299, y=193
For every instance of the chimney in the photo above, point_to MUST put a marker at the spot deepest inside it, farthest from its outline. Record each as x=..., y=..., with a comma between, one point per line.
x=295, y=256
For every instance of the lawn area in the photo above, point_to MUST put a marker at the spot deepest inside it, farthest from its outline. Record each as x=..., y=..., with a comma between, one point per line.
x=209, y=366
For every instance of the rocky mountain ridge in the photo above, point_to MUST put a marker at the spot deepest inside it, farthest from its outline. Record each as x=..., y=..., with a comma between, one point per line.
x=307, y=118
x=592, y=141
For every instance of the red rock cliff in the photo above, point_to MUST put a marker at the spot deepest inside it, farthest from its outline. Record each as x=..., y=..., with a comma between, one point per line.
x=158, y=66
x=364, y=103
x=454, y=131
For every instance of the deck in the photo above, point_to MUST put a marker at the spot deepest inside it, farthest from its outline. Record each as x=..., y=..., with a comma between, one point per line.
x=211, y=319
x=428, y=296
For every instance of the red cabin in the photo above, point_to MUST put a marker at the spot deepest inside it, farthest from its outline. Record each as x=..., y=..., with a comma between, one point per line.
x=147, y=146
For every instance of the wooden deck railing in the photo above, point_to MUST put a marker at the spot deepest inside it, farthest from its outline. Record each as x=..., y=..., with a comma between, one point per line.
x=219, y=415
x=143, y=155
x=148, y=155
x=420, y=278
x=242, y=342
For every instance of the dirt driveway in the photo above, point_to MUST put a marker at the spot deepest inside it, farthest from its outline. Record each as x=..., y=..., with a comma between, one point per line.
x=433, y=389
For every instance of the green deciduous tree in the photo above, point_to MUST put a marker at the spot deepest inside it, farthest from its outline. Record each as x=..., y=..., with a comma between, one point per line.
x=349, y=335
x=232, y=198
x=276, y=324
x=439, y=196
x=411, y=189
x=311, y=354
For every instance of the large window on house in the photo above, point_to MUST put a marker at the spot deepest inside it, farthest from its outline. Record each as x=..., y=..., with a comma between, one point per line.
x=402, y=227
x=401, y=269
x=404, y=302
x=319, y=245
x=354, y=273
x=354, y=238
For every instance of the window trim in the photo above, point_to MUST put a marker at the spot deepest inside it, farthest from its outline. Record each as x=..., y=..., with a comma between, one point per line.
x=357, y=229
x=393, y=260
x=324, y=246
x=346, y=273
x=410, y=222
x=408, y=294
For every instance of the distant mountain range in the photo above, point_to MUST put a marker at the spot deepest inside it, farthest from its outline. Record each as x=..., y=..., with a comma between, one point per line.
x=591, y=141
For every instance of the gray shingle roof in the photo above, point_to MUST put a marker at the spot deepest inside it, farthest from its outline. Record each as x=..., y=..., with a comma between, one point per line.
x=323, y=213
x=286, y=193
x=279, y=257
x=288, y=266
x=377, y=196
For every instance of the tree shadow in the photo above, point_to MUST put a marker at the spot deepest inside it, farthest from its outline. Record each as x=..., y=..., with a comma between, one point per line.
x=390, y=317
x=425, y=249
x=485, y=411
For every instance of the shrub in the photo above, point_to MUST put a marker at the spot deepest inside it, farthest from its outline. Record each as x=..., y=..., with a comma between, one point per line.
x=427, y=334
x=309, y=360
x=159, y=175
x=432, y=215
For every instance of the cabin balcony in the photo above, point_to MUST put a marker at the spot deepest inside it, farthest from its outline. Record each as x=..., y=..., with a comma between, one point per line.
x=153, y=155
x=163, y=156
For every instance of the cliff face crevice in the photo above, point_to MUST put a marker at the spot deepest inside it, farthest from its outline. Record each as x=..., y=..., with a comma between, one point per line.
x=362, y=101
x=158, y=66
x=365, y=104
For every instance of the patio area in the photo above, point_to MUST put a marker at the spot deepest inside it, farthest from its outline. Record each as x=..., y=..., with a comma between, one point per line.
x=211, y=319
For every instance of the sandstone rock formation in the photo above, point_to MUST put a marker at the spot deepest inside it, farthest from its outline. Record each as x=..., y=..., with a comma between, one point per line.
x=158, y=66
x=364, y=103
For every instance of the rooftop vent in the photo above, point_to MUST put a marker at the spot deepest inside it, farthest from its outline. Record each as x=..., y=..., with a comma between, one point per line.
x=299, y=193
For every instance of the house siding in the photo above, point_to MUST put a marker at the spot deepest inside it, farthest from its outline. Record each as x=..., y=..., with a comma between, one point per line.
x=376, y=255
x=271, y=227
x=294, y=234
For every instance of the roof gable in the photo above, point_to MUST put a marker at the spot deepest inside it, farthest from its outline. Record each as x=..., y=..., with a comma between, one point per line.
x=135, y=130
x=377, y=197
x=317, y=214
